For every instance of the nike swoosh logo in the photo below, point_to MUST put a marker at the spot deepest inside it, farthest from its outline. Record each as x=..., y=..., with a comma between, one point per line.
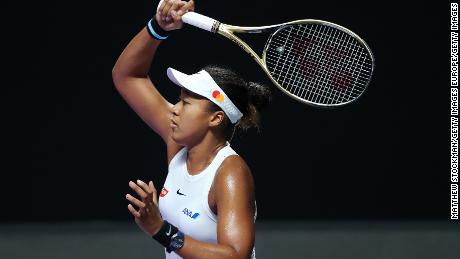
x=180, y=193
x=169, y=232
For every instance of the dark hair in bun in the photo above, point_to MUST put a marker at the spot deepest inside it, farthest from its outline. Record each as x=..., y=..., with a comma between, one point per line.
x=249, y=97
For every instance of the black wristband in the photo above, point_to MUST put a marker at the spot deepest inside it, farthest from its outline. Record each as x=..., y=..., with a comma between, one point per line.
x=156, y=31
x=163, y=236
x=177, y=242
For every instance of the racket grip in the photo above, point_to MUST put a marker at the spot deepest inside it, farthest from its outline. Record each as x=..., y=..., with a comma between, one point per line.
x=200, y=21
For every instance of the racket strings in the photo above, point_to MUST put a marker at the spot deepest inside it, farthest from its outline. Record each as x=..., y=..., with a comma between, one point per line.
x=320, y=89
x=318, y=63
x=316, y=80
x=310, y=70
x=340, y=79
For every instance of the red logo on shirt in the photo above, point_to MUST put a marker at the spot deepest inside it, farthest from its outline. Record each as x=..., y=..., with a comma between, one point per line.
x=163, y=192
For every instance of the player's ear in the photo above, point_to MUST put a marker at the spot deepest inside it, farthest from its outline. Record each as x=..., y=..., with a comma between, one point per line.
x=216, y=118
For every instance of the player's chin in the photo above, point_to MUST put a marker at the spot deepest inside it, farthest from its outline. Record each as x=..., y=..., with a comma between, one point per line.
x=177, y=136
x=184, y=138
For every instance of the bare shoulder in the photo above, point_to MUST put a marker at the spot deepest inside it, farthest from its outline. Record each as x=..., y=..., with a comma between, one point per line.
x=235, y=202
x=234, y=176
x=234, y=167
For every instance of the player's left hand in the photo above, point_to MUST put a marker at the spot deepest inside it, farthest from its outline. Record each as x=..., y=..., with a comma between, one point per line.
x=148, y=216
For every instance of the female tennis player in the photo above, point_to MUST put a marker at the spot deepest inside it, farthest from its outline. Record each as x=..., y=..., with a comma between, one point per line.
x=207, y=207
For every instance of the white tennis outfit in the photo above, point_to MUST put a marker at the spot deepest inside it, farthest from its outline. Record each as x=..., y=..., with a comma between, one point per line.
x=183, y=200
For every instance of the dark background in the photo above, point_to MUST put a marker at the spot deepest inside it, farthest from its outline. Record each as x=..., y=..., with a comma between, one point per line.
x=70, y=144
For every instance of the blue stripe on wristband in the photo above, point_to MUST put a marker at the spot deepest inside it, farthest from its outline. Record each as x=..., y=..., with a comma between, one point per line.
x=153, y=33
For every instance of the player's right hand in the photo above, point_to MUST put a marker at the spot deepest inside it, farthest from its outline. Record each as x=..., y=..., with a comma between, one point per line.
x=169, y=13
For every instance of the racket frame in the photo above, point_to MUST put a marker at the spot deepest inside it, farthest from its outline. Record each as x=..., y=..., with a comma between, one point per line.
x=228, y=31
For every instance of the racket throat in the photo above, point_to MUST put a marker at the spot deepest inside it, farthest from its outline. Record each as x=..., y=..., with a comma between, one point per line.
x=215, y=27
x=229, y=35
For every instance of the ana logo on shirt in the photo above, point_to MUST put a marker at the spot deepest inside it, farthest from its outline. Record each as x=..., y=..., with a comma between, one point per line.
x=190, y=213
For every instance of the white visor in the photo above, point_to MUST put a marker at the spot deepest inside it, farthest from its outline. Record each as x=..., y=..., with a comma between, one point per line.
x=202, y=84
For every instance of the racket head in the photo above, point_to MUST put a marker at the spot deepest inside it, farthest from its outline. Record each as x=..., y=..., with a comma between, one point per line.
x=318, y=62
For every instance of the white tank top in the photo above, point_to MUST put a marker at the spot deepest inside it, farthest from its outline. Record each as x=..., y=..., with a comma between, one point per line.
x=183, y=200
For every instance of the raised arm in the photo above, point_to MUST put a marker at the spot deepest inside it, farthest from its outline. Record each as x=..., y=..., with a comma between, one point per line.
x=130, y=73
x=130, y=76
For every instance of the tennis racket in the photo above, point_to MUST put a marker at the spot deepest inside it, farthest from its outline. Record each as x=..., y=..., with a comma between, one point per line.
x=316, y=62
